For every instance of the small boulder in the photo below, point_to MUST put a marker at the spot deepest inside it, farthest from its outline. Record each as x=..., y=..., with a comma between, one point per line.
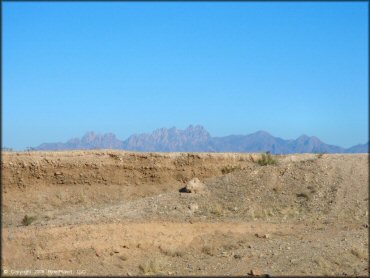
x=254, y=272
x=194, y=186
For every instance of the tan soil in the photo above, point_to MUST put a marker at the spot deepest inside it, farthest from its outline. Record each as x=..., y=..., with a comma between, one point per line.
x=121, y=213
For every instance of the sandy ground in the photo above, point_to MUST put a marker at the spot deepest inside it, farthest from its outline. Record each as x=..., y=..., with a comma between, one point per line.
x=121, y=213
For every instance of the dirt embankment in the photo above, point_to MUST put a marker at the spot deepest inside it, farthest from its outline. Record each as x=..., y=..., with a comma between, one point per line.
x=36, y=182
x=25, y=170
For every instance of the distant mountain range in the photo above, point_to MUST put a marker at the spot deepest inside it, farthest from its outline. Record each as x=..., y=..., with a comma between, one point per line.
x=197, y=139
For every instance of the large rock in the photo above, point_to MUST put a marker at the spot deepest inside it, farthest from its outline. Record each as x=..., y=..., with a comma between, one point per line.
x=194, y=186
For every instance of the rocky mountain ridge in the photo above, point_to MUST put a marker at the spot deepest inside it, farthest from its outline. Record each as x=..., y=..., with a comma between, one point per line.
x=197, y=139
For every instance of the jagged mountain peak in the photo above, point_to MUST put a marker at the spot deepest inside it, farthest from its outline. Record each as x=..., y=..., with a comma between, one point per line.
x=197, y=131
x=89, y=136
x=193, y=138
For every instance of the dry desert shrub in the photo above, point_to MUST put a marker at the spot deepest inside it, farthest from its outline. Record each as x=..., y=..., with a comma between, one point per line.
x=171, y=251
x=266, y=159
x=228, y=169
x=151, y=267
x=320, y=155
x=251, y=158
x=207, y=250
x=263, y=214
x=217, y=210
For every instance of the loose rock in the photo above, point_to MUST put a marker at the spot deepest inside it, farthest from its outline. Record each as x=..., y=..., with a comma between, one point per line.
x=194, y=186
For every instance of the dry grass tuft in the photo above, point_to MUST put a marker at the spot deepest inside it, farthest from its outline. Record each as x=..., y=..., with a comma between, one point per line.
x=151, y=267
x=207, y=250
x=229, y=169
x=217, y=210
x=251, y=158
x=171, y=251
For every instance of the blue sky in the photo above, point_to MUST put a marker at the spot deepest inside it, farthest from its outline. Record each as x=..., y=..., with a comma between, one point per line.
x=286, y=68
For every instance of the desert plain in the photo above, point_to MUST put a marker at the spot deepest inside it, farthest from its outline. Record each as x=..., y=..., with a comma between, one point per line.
x=107, y=212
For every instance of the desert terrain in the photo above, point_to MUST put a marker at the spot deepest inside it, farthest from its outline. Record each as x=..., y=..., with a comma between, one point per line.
x=108, y=212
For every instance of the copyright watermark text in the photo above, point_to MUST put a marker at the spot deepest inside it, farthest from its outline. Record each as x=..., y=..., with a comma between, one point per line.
x=46, y=272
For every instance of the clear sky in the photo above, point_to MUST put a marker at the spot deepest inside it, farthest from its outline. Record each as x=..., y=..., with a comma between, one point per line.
x=235, y=68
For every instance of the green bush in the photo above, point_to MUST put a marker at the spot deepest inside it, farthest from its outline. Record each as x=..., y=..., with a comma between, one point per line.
x=266, y=159
x=27, y=220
